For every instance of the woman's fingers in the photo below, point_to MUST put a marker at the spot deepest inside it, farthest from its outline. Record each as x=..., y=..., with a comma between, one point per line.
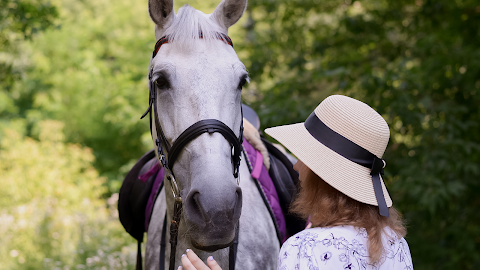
x=213, y=264
x=187, y=264
x=191, y=261
x=196, y=261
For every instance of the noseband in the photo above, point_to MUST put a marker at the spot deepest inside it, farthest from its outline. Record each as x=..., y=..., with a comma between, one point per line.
x=167, y=154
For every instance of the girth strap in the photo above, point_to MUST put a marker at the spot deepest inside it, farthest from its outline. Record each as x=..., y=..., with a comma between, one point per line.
x=139, y=256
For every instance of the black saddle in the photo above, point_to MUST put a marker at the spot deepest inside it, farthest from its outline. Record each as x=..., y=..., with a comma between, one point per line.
x=285, y=179
x=133, y=198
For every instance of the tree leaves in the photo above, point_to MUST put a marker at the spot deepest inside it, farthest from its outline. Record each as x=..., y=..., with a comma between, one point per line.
x=416, y=63
x=51, y=212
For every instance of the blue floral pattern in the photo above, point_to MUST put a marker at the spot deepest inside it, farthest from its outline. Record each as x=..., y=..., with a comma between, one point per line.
x=341, y=247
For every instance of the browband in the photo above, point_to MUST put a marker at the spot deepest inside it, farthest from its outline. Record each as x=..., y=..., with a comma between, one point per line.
x=165, y=39
x=352, y=152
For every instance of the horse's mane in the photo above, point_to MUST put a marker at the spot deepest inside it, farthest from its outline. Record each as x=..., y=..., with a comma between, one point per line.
x=187, y=26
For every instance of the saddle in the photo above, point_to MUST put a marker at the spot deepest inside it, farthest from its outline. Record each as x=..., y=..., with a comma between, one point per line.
x=134, y=195
x=285, y=179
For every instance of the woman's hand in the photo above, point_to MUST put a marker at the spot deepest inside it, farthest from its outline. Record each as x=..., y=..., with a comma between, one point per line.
x=191, y=261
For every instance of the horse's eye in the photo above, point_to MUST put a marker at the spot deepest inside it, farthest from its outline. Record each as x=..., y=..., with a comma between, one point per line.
x=242, y=82
x=162, y=83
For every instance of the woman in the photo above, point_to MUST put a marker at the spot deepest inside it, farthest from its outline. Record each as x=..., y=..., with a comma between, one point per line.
x=339, y=148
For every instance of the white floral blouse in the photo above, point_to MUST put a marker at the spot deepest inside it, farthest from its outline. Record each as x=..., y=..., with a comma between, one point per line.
x=341, y=247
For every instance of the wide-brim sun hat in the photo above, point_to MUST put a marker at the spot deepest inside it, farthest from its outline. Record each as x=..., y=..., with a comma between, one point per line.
x=343, y=142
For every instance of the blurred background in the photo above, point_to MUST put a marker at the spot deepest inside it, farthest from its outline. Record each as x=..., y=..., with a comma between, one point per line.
x=73, y=84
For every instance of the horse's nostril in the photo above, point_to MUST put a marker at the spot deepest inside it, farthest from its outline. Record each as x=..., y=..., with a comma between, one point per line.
x=237, y=206
x=196, y=204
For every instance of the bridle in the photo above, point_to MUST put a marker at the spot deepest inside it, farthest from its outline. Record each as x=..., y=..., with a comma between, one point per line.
x=167, y=154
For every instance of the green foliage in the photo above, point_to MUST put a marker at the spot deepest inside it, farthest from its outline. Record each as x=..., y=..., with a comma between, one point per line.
x=19, y=21
x=417, y=63
x=90, y=74
x=51, y=212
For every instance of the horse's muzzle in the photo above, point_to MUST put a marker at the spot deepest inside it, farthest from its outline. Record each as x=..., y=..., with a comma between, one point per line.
x=212, y=220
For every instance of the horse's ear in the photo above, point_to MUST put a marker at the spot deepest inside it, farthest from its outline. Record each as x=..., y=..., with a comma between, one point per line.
x=161, y=12
x=229, y=12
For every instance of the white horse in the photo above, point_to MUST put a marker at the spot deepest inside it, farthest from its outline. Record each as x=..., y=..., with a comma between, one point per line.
x=201, y=78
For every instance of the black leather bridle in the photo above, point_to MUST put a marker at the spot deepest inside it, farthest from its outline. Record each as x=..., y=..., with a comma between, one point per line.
x=168, y=154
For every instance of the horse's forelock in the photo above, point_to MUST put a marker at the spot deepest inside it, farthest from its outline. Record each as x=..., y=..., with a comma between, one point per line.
x=187, y=26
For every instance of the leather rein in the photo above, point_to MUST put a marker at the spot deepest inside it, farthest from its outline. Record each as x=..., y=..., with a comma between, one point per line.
x=167, y=154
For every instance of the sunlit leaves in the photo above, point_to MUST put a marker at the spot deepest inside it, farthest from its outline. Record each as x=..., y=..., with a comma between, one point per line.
x=51, y=212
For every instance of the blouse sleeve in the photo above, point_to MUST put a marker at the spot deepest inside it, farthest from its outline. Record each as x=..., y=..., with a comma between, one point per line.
x=296, y=254
x=308, y=250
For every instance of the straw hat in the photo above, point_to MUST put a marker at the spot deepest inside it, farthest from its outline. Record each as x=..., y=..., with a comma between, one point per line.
x=351, y=128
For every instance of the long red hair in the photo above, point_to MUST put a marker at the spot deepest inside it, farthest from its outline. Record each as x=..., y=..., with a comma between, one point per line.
x=328, y=207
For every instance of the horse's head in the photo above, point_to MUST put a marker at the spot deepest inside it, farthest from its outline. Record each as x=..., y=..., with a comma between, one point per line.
x=199, y=76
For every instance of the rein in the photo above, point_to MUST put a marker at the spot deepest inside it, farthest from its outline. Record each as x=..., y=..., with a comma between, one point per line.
x=168, y=154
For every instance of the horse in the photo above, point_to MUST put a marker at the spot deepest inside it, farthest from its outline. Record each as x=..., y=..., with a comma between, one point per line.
x=195, y=75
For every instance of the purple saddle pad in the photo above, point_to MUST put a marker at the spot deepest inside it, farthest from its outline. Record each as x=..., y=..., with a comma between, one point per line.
x=159, y=170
